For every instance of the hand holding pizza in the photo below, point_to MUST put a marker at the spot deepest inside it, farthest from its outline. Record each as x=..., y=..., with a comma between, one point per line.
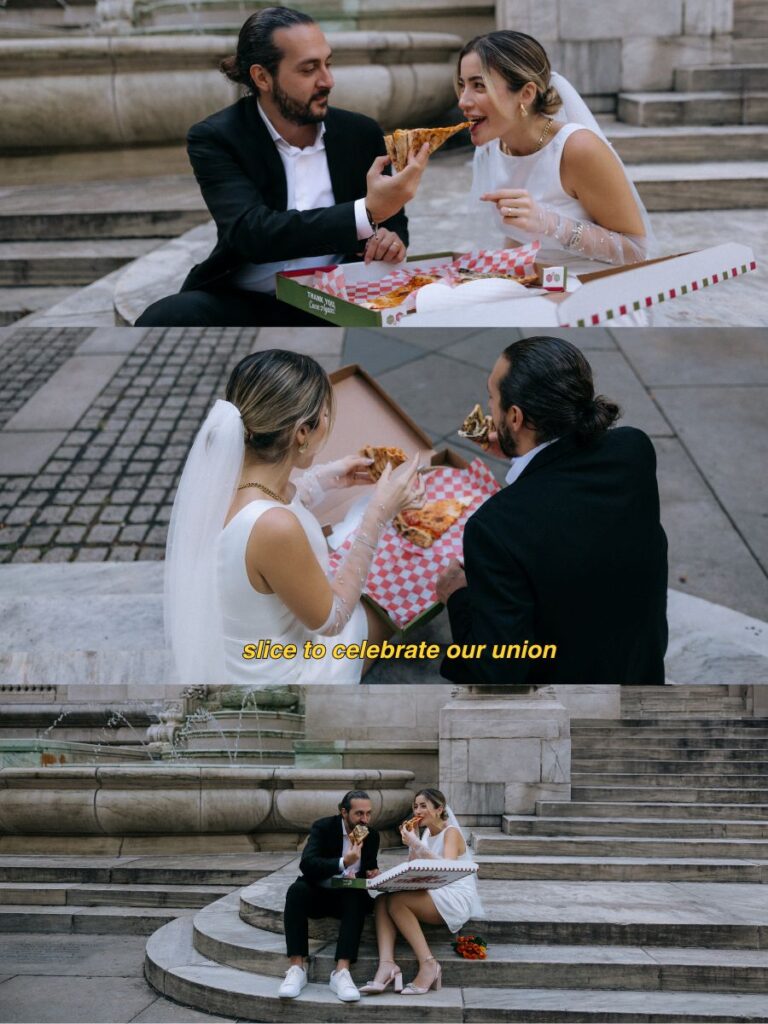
x=347, y=472
x=398, y=489
x=387, y=194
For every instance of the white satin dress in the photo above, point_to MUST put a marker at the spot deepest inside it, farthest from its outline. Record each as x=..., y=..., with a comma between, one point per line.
x=539, y=174
x=454, y=902
x=249, y=616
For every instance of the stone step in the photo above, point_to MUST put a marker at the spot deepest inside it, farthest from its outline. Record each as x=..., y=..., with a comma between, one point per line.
x=735, y=77
x=682, y=737
x=108, y=665
x=622, y=846
x=228, y=870
x=686, y=144
x=568, y=1005
x=680, y=767
x=714, y=757
x=587, y=724
x=18, y=302
x=746, y=741
x=665, y=782
x=165, y=207
x=248, y=718
x=622, y=869
x=652, y=109
x=666, y=187
x=223, y=938
x=715, y=916
x=68, y=263
x=107, y=920
x=654, y=809
x=175, y=968
x=681, y=828
x=682, y=794
x=91, y=894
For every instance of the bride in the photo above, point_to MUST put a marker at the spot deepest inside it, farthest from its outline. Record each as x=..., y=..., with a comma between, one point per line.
x=543, y=168
x=452, y=905
x=246, y=559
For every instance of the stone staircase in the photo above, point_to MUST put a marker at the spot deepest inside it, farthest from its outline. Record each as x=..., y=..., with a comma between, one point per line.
x=54, y=240
x=703, y=144
x=639, y=900
x=131, y=894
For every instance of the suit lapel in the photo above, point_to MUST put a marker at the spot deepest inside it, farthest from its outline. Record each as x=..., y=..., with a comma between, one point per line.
x=263, y=151
x=337, y=151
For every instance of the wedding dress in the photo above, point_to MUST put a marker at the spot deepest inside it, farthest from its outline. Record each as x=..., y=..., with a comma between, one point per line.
x=249, y=616
x=459, y=900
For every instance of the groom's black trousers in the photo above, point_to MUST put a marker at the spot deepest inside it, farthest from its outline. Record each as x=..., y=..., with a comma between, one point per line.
x=304, y=901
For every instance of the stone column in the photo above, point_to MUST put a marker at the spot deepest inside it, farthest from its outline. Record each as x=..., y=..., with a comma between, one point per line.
x=502, y=749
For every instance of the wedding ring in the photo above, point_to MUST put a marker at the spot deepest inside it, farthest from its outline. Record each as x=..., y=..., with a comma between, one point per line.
x=507, y=211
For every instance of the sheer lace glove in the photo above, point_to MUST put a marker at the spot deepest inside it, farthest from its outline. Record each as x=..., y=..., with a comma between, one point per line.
x=417, y=850
x=316, y=481
x=518, y=210
x=394, y=491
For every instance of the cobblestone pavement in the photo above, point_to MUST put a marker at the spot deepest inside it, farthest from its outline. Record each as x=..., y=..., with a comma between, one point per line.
x=28, y=358
x=107, y=491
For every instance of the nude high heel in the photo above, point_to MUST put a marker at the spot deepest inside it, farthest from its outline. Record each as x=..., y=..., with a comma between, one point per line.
x=436, y=983
x=377, y=987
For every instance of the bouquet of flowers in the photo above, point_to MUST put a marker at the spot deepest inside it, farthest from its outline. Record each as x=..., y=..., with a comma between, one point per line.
x=471, y=947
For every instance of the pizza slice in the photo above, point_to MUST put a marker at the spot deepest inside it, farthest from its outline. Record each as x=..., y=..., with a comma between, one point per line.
x=406, y=140
x=397, y=296
x=424, y=525
x=476, y=427
x=382, y=455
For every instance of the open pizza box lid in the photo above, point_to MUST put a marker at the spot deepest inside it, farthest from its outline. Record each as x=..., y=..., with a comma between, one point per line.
x=366, y=414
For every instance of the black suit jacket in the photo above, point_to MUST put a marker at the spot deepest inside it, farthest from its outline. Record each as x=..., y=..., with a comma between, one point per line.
x=572, y=553
x=320, y=859
x=242, y=179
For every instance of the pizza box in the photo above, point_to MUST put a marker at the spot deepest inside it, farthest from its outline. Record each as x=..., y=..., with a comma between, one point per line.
x=421, y=873
x=366, y=414
x=600, y=296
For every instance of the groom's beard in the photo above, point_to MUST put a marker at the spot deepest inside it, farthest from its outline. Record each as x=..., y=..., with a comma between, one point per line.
x=295, y=112
x=506, y=440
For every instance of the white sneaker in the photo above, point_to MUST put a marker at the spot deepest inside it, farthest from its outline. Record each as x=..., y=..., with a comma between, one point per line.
x=341, y=983
x=295, y=980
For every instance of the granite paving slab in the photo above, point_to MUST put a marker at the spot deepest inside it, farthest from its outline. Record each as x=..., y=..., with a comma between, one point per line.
x=81, y=999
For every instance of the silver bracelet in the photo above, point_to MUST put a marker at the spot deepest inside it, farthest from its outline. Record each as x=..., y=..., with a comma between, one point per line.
x=575, y=240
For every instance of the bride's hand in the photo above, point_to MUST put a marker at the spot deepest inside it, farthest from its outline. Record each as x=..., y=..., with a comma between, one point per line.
x=517, y=209
x=349, y=471
x=409, y=838
x=400, y=488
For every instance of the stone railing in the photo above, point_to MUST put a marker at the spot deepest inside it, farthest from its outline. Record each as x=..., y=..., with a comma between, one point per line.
x=68, y=93
x=157, y=799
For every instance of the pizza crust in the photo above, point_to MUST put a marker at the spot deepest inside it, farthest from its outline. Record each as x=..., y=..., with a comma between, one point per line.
x=382, y=456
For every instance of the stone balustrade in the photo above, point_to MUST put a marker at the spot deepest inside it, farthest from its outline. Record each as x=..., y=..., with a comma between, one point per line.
x=160, y=799
x=110, y=91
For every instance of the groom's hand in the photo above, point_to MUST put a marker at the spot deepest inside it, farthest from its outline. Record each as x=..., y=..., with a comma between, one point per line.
x=353, y=854
x=385, y=245
x=450, y=580
x=373, y=873
x=387, y=194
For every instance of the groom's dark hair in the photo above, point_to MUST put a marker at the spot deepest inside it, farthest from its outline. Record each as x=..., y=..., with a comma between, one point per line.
x=353, y=794
x=551, y=382
x=255, y=43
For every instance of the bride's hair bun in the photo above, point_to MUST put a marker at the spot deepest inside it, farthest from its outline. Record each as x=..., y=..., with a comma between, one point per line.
x=549, y=101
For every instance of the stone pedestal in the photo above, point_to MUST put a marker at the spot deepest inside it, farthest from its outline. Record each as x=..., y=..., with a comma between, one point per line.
x=502, y=749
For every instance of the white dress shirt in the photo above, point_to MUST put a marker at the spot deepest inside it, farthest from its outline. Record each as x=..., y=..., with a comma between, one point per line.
x=519, y=462
x=309, y=187
x=344, y=872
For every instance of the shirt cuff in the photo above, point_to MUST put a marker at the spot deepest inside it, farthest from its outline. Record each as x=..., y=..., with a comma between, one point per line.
x=342, y=866
x=364, y=229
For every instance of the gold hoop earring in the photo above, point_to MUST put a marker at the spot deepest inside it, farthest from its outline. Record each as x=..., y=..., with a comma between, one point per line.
x=523, y=110
x=303, y=447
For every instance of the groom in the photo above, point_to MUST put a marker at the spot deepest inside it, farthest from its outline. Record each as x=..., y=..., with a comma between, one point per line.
x=571, y=553
x=290, y=181
x=331, y=852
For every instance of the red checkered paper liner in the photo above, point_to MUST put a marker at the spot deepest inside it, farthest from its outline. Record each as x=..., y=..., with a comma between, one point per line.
x=402, y=576
x=518, y=262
